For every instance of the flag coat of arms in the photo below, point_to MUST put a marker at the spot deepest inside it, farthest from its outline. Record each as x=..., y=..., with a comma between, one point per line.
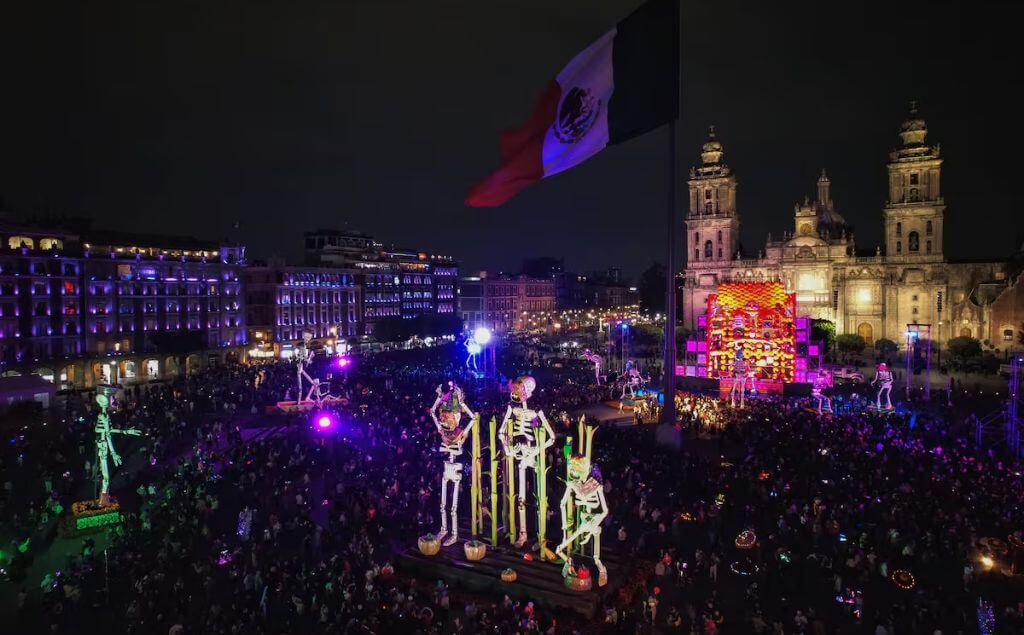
x=621, y=86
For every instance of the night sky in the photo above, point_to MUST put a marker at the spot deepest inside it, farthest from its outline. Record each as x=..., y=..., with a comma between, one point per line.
x=378, y=115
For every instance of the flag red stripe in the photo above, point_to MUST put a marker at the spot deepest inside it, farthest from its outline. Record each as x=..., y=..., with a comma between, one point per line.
x=521, y=154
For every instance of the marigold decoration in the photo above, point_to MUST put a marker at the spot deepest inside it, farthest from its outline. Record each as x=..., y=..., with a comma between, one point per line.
x=757, y=318
x=475, y=550
x=903, y=579
x=509, y=575
x=429, y=545
x=746, y=539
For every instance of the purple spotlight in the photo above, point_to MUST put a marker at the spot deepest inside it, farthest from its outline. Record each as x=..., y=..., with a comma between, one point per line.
x=342, y=362
x=323, y=421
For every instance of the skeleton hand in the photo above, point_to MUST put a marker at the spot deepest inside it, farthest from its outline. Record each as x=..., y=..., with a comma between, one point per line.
x=116, y=458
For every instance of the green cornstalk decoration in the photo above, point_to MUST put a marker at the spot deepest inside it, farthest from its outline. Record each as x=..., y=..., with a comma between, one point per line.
x=510, y=483
x=542, y=493
x=475, y=519
x=494, y=482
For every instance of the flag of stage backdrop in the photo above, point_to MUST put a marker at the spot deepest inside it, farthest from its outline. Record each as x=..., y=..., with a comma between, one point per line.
x=621, y=86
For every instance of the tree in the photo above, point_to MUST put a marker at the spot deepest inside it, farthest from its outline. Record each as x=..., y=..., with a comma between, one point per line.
x=824, y=331
x=964, y=348
x=652, y=289
x=850, y=343
x=885, y=346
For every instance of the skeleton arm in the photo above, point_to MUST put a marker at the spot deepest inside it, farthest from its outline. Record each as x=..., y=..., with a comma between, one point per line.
x=466, y=431
x=549, y=438
x=564, y=506
x=466, y=409
x=601, y=515
x=503, y=430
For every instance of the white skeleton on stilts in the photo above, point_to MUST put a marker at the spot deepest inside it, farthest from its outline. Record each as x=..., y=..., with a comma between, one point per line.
x=740, y=373
x=584, y=502
x=105, y=442
x=821, y=389
x=521, y=441
x=633, y=382
x=317, y=393
x=883, y=377
x=447, y=415
x=596, y=360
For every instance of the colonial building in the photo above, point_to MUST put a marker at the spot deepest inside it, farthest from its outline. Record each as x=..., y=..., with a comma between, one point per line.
x=874, y=292
x=503, y=302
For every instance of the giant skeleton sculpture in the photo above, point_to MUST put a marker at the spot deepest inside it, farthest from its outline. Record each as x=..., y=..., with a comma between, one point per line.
x=583, y=507
x=518, y=436
x=447, y=414
x=318, y=393
x=821, y=389
x=596, y=360
x=105, y=443
x=633, y=383
x=883, y=377
x=740, y=374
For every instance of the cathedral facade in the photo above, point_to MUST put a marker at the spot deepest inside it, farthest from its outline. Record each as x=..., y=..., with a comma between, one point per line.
x=876, y=292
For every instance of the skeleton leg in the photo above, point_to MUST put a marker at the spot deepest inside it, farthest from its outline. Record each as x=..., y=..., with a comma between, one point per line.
x=456, y=486
x=888, y=400
x=521, y=503
x=104, y=477
x=444, y=506
x=561, y=552
x=602, y=571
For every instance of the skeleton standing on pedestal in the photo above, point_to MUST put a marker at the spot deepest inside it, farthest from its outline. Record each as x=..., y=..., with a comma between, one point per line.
x=739, y=378
x=821, y=389
x=317, y=393
x=521, y=441
x=447, y=415
x=883, y=377
x=584, y=494
x=596, y=360
x=105, y=442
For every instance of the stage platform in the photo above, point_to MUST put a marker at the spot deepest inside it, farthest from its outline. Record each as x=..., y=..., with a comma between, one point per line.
x=537, y=582
x=607, y=413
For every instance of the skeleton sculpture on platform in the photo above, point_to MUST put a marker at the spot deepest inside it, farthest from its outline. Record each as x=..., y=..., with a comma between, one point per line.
x=739, y=379
x=105, y=442
x=596, y=360
x=520, y=442
x=447, y=415
x=883, y=377
x=633, y=382
x=821, y=389
x=317, y=393
x=583, y=506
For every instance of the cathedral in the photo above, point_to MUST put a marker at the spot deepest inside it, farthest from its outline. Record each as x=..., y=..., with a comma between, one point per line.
x=876, y=292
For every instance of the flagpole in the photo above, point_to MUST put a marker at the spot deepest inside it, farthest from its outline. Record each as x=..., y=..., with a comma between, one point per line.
x=669, y=362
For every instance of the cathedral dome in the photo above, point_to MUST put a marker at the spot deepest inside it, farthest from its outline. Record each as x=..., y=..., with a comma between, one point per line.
x=914, y=129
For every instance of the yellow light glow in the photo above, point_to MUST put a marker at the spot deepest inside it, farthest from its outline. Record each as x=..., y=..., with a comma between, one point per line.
x=864, y=295
x=987, y=562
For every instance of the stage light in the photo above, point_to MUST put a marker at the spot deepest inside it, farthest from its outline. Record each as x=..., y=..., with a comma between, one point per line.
x=323, y=421
x=481, y=336
x=342, y=362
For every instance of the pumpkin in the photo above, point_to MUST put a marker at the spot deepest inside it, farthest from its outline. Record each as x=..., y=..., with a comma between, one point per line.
x=475, y=550
x=508, y=575
x=579, y=583
x=429, y=545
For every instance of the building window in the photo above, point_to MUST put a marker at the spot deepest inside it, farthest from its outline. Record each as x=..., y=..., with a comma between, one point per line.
x=913, y=195
x=696, y=253
x=719, y=253
x=913, y=178
x=928, y=228
x=707, y=195
x=913, y=298
x=899, y=247
x=913, y=242
x=928, y=247
x=899, y=229
x=708, y=250
x=719, y=236
x=1007, y=335
x=707, y=207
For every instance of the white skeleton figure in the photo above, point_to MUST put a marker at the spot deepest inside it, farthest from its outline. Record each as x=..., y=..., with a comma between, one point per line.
x=739, y=382
x=883, y=377
x=633, y=381
x=822, y=389
x=105, y=444
x=521, y=441
x=451, y=405
x=585, y=494
x=317, y=393
x=596, y=359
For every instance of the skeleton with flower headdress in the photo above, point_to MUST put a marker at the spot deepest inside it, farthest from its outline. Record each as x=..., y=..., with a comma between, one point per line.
x=518, y=434
x=447, y=414
x=583, y=505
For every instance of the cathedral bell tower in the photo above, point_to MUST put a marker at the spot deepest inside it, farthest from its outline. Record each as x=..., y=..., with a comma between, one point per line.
x=914, y=212
x=712, y=224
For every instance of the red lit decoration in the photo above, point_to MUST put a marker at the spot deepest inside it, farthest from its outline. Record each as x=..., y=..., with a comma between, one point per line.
x=757, y=318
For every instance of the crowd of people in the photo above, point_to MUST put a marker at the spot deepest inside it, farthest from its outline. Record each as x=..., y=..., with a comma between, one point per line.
x=237, y=521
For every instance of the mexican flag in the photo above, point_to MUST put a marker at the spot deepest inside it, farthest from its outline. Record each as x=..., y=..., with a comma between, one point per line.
x=621, y=86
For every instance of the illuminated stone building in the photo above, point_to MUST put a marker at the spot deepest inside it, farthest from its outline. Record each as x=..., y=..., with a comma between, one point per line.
x=874, y=292
x=81, y=308
x=504, y=302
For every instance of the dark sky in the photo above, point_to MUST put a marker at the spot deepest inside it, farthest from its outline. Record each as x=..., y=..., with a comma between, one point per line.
x=379, y=114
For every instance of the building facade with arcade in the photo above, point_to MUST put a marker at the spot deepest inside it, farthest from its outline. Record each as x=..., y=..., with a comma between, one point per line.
x=874, y=292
